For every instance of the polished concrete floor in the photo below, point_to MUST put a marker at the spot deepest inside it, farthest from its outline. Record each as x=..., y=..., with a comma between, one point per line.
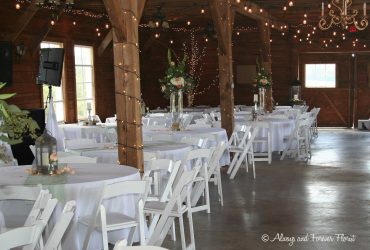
x=321, y=204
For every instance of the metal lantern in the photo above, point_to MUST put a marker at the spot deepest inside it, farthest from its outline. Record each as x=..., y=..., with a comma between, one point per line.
x=46, y=154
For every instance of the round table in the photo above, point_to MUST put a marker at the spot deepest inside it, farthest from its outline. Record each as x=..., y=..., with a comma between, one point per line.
x=167, y=150
x=280, y=129
x=220, y=135
x=98, y=132
x=84, y=187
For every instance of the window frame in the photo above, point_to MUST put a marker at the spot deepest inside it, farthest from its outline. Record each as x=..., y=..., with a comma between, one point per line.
x=92, y=65
x=320, y=63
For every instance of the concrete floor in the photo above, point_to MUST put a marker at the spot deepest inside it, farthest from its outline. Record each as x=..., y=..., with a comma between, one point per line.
x=324, y=204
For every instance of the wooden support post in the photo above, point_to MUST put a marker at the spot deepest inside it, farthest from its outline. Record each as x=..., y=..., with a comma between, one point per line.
x=223, y=20
x=265, y=34
x=127, y=80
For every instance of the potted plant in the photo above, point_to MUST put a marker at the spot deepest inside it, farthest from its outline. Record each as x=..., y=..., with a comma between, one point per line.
x=15, y=123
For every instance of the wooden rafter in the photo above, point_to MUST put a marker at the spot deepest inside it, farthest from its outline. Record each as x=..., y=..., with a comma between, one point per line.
x=257, y=14
x=105, y=43
x=140, y=8
x=117, y=19
x=23, y=21
x=109, y=37
x=36, y=41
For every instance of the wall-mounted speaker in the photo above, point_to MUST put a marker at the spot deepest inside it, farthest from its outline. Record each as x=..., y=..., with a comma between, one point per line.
x=6, y=62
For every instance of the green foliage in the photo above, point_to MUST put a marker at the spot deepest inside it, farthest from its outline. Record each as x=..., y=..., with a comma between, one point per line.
x=176, y=78
x=15, y=122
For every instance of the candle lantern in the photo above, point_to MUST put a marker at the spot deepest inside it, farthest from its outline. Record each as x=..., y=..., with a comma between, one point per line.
x=46, y=154
x=295, y=91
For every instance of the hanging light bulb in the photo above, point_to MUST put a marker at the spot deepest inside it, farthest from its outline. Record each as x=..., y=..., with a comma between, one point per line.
x=74, y=23
x=17, y=6
x=107, y=26
x=291, y=3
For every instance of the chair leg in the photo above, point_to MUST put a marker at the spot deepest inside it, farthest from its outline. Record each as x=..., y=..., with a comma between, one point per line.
x=173, y=232
x=207, y=192
x=182, y=232
x=219, y=186
x=191, y=228
x=233, y=161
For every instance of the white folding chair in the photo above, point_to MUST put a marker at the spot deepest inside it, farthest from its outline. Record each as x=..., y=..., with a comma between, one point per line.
x=148, y=156
x=21, y=236
x=76, y=159
x=176, y=207
x=110, y=221
x=242, y=152
x=265, y=127
x=17, y=216
x=159, y=169
x=237, y=142
x=298, y=142
x=214, y=171
x=196, y=142
x=56, y=235
x=199, y=158
x=122, y=245
x=155, y=169
x=78, y=143
x=314, y=131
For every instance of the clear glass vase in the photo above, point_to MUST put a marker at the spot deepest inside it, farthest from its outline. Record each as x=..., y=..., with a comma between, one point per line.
x=180, y=102
x=173, y=103
x=261, y=98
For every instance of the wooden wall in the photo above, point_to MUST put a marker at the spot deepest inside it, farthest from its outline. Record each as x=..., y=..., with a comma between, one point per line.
x=341, y=106
x=29, y=95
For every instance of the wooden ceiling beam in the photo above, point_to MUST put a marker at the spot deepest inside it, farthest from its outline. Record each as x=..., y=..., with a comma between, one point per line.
x=256, y=14
x=36, y=41
x=140, y=9
x=23, y=21
x=105, y=43
x=117, y=19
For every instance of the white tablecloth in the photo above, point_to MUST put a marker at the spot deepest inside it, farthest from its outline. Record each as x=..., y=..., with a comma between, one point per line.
x=220, y=135
x=280, y=128
x=98, y=132
x=84, y=187
x=166, y=150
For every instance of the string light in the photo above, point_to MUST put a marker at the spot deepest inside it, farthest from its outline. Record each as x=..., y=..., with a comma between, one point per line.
x=17, y=6
x=74, y=23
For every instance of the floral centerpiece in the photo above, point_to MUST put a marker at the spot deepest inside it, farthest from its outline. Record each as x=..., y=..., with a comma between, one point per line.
x=263, y=78
x=176, y=78
x=264, y=83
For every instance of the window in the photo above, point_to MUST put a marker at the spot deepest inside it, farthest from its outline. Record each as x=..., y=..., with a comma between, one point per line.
x=57, y=92
x=84, y=80
x=320, y=76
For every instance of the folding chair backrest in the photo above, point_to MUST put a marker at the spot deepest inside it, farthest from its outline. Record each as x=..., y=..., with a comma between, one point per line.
x=29, y=193
x=76, y=159
x=156, y=167
x=197, y=142
x=21, y=236
x=77, y=143
x=124, y=187
x=214, y=161
x=39, y=205
x=61, y=226
x=148, y=156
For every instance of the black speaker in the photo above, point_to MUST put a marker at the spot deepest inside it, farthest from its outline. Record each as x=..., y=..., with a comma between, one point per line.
x=6, y=62
x=51, y=66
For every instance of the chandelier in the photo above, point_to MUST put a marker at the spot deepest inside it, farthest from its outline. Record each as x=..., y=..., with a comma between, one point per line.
x=159, y=19
x=343, y=16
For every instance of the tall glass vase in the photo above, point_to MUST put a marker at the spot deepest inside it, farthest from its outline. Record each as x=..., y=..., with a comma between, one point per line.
x=180, y=102
x=173, y=103
x=261, y=98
